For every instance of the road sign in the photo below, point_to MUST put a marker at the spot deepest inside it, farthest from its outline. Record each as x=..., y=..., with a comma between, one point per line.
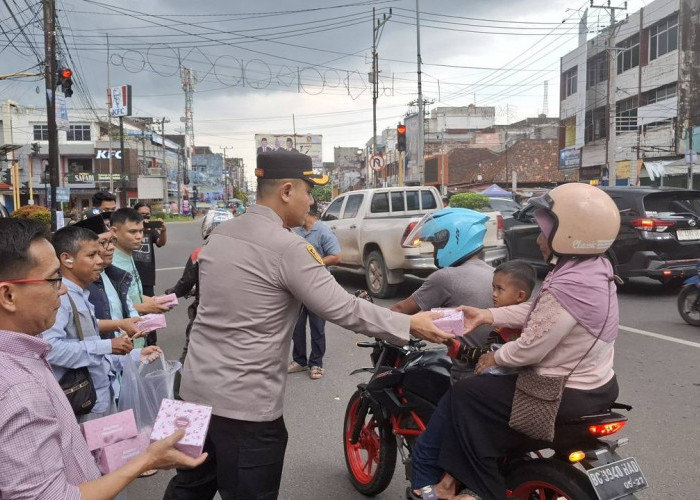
x=63, y=194
x=376, y=161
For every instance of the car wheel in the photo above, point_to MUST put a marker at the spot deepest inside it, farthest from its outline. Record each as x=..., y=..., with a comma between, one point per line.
x=376, y=276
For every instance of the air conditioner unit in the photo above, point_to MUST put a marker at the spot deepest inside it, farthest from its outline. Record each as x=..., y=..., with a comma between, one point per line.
x=155, y=172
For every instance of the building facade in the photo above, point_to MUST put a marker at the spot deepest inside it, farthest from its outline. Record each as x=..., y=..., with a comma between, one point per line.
x=629, y=96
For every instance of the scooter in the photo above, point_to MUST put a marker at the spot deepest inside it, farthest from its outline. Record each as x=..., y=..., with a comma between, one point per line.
x=689, y=299
x=387, y=414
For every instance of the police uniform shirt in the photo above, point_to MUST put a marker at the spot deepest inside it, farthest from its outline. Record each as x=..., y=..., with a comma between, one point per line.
x=254, y=276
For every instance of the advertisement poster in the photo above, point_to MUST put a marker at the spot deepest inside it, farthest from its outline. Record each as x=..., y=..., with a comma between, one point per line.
x=308, y=144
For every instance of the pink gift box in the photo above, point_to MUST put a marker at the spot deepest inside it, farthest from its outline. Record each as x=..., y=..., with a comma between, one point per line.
x=452, y=321
x=113, y=456
x=110, y=429
x=169, y=300
x=174, y=415
x=152, y=322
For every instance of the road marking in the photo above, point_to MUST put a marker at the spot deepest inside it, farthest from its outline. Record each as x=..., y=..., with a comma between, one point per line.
x=659, y=336
x=170, y=268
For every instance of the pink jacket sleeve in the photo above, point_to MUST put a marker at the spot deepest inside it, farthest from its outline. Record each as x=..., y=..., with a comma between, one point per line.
x=510, y=316
x=549, y=323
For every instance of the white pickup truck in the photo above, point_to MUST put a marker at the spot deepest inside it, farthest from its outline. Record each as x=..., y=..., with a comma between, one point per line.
x=371, y=224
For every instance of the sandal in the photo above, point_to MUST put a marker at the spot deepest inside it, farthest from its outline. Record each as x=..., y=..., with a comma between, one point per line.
x=427, y=493
x=316, y=372
x=295, y=367
x=149, y=473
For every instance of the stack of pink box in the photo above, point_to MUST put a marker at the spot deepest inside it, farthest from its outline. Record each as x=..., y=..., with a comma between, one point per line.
x=152, y=322
x=169, y=300
x=194, y=418
x=452, y=320
x=114, y=440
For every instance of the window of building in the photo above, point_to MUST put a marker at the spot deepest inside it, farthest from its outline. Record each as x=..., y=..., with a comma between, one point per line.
x=79, y=165
x=570, y=78
x=41, y=132
x=596, y=70
x=663, y=37
x=595, y=124
x=628, y=55
x=660, y=93
x=352, y=206
x=626, y=115
x=78, y=133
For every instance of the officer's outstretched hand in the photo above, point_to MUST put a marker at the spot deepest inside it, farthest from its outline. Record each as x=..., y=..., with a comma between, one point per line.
x=422, y=326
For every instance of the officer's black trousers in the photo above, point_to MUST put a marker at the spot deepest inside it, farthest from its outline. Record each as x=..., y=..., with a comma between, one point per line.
x=244, y=463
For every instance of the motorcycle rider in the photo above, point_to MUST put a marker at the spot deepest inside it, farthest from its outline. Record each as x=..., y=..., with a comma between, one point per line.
x=569, y=332
x=462, y=278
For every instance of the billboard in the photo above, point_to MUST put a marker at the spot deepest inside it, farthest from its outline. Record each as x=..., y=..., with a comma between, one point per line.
x=570, y=157
x=308, y=144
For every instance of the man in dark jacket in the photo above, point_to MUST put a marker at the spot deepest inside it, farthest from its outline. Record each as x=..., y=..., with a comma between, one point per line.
x=110, y=293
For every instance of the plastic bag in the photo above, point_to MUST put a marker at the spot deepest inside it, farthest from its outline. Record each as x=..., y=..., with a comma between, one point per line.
x=500, y=370
x=144, y=386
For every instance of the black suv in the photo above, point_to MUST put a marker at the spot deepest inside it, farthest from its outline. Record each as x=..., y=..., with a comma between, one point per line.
x=659, y=233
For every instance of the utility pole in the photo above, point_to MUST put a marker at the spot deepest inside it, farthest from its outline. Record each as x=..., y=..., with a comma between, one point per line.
x=377, y=29
x=227, y=174
x=421, y=120
x=611, y=136
x=49, y=9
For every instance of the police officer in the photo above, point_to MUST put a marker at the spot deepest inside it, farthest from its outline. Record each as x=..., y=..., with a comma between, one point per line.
x=254, y=277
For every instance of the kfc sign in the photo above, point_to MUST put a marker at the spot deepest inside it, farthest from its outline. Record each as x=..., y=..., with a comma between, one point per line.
x=119, y=99
x=105, y=154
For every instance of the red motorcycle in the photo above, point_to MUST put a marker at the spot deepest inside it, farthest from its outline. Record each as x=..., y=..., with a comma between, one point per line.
x=386, y=415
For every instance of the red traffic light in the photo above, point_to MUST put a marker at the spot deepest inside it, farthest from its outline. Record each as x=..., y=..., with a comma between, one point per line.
x=66, y=73
x=401, y=129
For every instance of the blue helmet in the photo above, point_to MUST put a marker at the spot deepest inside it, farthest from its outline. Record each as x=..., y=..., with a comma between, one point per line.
x=455, y=233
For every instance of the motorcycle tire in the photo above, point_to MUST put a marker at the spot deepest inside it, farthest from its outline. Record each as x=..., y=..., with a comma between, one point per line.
x=372, y=460
x=548, y=478
x=686, y=305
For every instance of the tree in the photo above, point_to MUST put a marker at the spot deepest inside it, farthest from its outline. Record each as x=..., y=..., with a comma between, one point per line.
x=322, y=193
x=34, y=212
x=473, y=201
x=238, y=193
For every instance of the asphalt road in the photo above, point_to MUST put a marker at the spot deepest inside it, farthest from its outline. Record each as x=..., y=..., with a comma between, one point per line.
x=657, y=362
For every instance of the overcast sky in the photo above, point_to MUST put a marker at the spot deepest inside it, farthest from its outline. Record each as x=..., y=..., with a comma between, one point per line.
x=259, y=63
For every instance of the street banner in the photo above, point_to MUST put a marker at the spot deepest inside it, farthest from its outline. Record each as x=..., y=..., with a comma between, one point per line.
x=119, y=99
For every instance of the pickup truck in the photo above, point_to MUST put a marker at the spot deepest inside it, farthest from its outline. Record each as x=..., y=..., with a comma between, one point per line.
x=371, y=224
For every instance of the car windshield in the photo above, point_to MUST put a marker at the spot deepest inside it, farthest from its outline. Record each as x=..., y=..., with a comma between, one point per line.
x=505, y=206
x=672, y=203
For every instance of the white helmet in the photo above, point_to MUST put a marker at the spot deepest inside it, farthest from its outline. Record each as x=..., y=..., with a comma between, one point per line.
x=213, y=219
x=583, y=219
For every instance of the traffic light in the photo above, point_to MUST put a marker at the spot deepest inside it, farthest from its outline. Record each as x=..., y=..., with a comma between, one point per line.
x=35, y=148
x=6, y=176
x=65, y=81
x=401, y=137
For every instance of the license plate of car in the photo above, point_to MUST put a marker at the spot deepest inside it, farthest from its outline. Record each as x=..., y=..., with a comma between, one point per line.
x=617, y=479
x=688, y=234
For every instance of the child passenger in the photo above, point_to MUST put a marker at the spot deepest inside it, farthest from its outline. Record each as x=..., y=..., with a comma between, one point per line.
x=513, y=282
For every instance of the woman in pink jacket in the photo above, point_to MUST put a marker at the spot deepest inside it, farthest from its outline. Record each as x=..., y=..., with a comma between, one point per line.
x=569, y=329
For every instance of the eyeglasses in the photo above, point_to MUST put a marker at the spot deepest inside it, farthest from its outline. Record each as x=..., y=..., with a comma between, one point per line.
x=106, y=243
x=146, y=216
x=55, y=282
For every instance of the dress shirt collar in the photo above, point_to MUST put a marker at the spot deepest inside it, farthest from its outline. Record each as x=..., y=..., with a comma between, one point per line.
x=266, y=212
x=22, y=344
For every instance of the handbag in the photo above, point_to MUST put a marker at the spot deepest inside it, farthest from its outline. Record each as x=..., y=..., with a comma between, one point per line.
x=537, y=399
x=77, y=383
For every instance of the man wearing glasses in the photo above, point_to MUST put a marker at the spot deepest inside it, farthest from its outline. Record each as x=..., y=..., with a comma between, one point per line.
x=109, y=294
x=43, y=454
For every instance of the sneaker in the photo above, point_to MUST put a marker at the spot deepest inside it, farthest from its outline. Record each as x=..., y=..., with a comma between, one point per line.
x=295, y=367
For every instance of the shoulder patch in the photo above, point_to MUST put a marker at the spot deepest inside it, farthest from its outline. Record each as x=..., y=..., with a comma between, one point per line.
x=314, y=253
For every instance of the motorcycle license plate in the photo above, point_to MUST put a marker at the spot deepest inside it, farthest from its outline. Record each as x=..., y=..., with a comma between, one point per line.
x=688, y=234
x=617, y=479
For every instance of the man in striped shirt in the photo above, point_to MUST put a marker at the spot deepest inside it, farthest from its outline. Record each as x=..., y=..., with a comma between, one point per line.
x=43, y=455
